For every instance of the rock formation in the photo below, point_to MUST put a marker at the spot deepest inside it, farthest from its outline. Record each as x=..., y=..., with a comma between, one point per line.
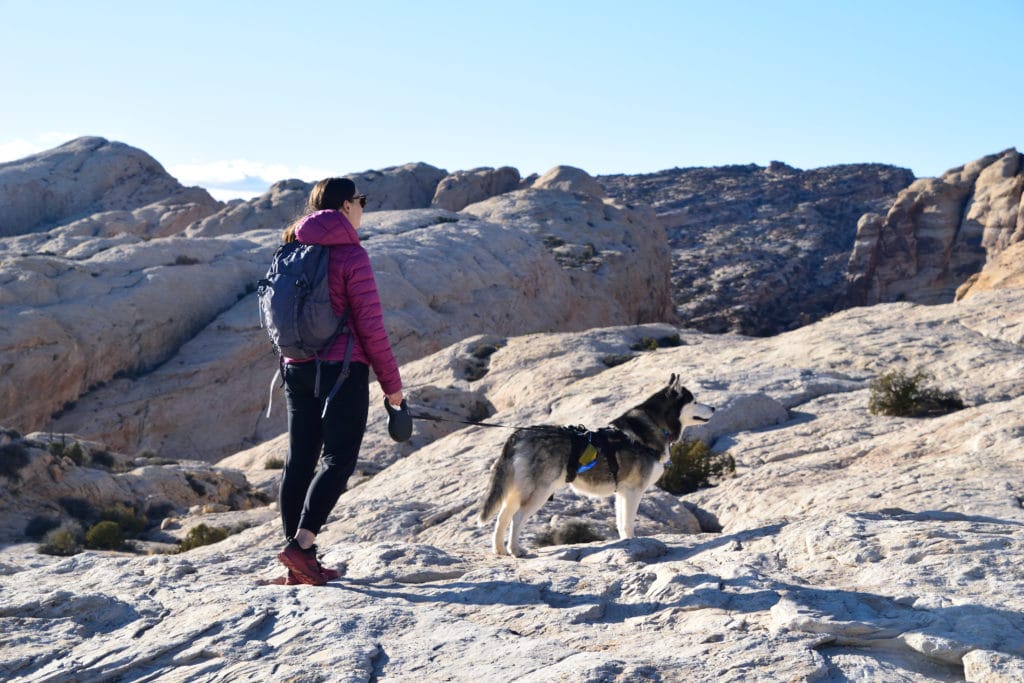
x=530, y=261
x=410, y=186
x=462, y=188
x=938, y=233
x=1006, y=270
x=850, y=546
x=759, y=250
x=90, y=176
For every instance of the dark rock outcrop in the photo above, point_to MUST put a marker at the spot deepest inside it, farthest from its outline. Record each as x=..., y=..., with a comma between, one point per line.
x=759, y=250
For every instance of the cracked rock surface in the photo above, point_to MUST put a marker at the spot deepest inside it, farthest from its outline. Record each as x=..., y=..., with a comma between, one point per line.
x=852, y=546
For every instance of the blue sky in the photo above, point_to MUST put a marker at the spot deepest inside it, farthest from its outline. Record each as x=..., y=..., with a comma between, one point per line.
x=236, y=95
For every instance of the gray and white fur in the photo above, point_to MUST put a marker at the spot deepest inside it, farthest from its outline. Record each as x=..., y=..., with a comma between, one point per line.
x=534, y=464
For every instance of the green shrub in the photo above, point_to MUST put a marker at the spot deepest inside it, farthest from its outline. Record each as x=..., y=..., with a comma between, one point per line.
x=13, y=458
x=39, y=525
x=125, y=516
x=185, y=260
x=692, y=465
x=900, y=394
x=75, y=453
x=57, y=448
x=670, y=341
x=568, y=533
x=273, y=463
x=202, y=535
x=105, y=536
x=64, y=540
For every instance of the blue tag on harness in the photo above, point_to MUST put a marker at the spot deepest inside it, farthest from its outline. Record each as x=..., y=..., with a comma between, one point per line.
x=588, y=458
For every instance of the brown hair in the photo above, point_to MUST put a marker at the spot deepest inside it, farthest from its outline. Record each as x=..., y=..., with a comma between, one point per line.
x=331, y=193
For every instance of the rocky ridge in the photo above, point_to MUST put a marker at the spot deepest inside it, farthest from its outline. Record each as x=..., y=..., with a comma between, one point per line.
x=89, y=176
x=181, y=313
x=759, y=250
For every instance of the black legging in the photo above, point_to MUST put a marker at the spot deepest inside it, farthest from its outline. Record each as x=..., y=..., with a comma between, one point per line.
x=305, y=500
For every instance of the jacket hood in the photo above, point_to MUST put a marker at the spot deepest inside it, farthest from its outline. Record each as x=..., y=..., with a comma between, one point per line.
x=329, y=228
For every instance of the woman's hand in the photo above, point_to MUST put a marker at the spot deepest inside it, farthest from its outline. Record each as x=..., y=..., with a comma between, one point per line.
x=395, y=399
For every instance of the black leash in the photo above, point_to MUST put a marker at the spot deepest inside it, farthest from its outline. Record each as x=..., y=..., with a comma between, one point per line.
x=417, y=416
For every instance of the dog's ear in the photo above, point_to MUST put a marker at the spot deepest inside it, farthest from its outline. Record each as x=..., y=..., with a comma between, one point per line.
x=672, y=380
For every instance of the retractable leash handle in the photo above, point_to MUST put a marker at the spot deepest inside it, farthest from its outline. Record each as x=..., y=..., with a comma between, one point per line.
x=399, y=421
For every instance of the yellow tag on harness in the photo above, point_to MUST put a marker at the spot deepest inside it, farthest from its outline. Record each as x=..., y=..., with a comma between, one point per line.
x=588, y=458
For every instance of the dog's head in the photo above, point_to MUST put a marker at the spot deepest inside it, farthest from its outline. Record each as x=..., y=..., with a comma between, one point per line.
x=675, y=407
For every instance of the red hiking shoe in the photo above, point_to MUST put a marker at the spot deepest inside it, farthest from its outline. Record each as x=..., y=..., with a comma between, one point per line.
x=302, y=564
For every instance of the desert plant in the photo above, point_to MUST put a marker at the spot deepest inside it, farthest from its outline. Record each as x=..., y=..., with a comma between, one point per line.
x=670, y=341
x=105, y=535
x=901, y=394
x=64, y=540
x=57, y=448
x=125, y=516
x=692, y=465
x=13, y=458
x=39, y=525
x=568, y=533
x=185, y=260
x=201, y=535
x=75, y=453
x=273, y=463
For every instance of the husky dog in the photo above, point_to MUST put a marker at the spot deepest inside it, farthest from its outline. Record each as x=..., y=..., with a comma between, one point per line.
x=631, y=455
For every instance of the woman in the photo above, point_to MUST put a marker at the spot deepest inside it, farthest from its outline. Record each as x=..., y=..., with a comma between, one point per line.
x=334, y=214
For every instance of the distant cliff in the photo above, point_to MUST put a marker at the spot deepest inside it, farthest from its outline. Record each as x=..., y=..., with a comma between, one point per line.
x=759, y=250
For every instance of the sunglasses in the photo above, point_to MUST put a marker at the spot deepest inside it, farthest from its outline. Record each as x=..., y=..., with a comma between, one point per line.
x=361, y=198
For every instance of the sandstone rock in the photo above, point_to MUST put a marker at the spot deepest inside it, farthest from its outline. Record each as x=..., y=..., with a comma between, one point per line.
x=68, y=325
x=442, y=276
x=602, y=246
x=854, y=547
x=410, y=186
x=759, y=250
x=569, y=179
x=56, y=487
x=88, y=176
x=938, y=233
x=462, y=188
x=273, y=210
x=1005, y=270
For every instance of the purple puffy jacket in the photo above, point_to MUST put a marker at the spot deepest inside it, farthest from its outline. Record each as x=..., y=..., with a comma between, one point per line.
x=354, y=289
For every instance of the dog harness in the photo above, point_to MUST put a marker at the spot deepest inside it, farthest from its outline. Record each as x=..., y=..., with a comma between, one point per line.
x=588, y=445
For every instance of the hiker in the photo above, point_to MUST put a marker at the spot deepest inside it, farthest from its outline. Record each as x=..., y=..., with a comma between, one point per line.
x=334, y=212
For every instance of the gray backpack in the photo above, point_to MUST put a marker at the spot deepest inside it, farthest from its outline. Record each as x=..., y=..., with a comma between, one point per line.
x=295, y=308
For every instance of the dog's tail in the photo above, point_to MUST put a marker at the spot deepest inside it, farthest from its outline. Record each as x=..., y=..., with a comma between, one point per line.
x=501, y=476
